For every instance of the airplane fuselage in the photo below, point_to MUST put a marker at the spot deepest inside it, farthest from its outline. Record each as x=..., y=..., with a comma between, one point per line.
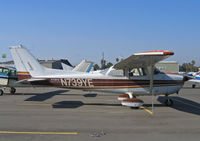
x=163, y=83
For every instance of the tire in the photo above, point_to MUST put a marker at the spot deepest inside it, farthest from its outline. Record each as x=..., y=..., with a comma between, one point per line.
x=1, y=92
x=12, y=90
x=193, y=86
x=169, y=102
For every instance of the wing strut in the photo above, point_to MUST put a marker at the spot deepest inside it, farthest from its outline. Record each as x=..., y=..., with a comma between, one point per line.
x=151, y=81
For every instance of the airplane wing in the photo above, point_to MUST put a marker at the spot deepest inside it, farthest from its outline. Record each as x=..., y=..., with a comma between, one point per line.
x=143, y=59
x=194, y=80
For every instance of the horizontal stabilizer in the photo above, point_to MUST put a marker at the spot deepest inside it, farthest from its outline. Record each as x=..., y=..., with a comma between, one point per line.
x=30, y=80
x=194, y=80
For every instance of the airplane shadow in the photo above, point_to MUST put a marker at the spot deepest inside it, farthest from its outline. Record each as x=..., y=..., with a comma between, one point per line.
x=182, y=104
x=90, y=95
x=77, y=104
x=45, y=96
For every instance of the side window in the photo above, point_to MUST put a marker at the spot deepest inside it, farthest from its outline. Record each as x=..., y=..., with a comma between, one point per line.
x=137, y=72
x=13, y=73
x=5, y=71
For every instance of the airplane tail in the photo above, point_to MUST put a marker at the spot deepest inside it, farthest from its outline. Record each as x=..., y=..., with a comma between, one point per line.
x=27, y=65
x=84, y=66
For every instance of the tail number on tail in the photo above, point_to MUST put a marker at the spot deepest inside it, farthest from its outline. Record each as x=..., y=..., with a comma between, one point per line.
x=76, y=82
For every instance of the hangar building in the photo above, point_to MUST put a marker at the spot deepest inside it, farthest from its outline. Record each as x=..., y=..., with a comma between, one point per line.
x=168, y=66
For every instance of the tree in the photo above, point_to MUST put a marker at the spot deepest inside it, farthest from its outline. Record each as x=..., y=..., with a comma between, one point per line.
x=103, y=64
x=96, y=67
x=108, y=65
x=188, y=67
x=193, y=62
x=117, y=59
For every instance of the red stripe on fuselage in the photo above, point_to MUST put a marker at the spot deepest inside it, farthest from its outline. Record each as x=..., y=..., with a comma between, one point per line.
x=23, y=75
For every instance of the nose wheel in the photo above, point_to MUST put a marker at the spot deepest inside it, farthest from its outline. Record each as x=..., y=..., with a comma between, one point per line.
x=168, y=101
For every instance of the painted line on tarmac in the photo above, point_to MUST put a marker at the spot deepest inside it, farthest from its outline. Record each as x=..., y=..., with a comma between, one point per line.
x=187, y=104
x=40, y=133
x=33, y=104
x=147, y=110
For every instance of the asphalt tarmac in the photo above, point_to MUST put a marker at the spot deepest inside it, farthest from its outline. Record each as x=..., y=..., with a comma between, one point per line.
x=47, y=114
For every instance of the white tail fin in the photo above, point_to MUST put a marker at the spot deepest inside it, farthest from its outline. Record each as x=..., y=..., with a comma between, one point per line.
x=84, y=66
x=66, y=67
x=25, y=62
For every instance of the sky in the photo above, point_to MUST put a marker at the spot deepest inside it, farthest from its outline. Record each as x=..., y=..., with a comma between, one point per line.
x=84, y=29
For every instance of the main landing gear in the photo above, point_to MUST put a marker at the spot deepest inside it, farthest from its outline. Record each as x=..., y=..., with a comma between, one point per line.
x=168, y=101
x=1, y=92
x=12, y=90
x=130, y=101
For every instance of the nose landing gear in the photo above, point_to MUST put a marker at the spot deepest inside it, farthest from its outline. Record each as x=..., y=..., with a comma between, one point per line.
x=12, y=90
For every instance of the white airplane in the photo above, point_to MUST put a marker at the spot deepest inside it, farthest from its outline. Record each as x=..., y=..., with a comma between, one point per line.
x=196, y=79
x=8, y=77
x=133, y=76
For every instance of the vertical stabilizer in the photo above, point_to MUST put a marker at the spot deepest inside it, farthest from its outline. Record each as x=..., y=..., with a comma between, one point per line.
x=84, y=66
x=26, y=62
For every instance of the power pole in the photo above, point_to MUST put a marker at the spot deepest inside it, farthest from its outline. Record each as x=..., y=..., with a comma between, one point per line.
x=103, y=62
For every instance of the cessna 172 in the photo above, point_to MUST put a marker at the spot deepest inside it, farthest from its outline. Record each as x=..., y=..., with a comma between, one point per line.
x=133, y=76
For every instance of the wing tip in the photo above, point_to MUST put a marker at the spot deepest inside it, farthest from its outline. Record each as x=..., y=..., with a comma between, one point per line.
x=157, y=52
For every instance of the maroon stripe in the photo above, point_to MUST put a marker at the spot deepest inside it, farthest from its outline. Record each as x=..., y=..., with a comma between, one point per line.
x=22, y=77
x=133, y=82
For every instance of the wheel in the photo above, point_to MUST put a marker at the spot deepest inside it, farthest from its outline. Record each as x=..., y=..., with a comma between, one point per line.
x=1, y=92
x=12, y=90
x=169, y=102
x=193, y=86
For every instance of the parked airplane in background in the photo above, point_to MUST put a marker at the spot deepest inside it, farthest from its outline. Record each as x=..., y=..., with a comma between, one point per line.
x=133, y=76
x=192, y=74
x=8, y=77
x=196, y=79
